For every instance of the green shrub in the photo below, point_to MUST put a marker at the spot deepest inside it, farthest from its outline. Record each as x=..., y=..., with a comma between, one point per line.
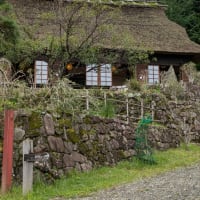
x=143, y=150
x=176, y=90
x=108, y=110
x=198, y=67
x=134, y=84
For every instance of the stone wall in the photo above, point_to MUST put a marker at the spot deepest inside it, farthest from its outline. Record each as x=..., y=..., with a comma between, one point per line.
x=83, y=142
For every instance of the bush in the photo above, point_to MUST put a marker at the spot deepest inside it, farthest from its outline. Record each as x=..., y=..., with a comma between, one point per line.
x=176, y=90
x=134, y=85
x=143, y=150
x=108, y=110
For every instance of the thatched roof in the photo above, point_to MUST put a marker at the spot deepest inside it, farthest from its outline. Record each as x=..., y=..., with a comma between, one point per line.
x=151, y=27
x=148, y=24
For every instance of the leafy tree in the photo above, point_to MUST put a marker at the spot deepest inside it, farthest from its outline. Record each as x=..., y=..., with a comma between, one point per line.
x=187, y=14
x=84, y=29
x=9, y=32
x=87, y=33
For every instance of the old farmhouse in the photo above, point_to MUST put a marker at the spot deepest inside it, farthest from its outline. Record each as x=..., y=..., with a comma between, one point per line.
x=147, y=24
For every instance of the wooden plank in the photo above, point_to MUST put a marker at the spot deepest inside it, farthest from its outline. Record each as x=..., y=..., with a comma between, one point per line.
x=7, y=151
x=27, y=167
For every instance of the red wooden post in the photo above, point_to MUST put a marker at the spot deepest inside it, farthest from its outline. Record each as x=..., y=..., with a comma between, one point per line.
x=7, y=151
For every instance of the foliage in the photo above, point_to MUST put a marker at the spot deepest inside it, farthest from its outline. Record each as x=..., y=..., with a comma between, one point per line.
x=186, y=13
x=7, y=104
x=192, y=72
x=60, y=99
x=143, y=150
x=134, y=84
x=83, y=27
x=9, y=32
x=171, y=85
x=81, y=184
x=84, y=30
x=107, y=110
x=11, y=95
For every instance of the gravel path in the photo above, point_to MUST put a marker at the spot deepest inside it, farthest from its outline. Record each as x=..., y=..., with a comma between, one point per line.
x=181, y=184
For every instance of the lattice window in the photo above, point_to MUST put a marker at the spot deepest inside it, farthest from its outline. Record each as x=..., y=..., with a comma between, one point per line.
x=41, y=72
x=99, y=75
x=153, y=74
x=91, y=75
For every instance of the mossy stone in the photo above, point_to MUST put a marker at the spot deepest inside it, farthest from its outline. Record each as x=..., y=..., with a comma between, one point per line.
x=35, y=123
x=83, y=149
x=87, y=132
x=73, y=137
x=64, y=122
x=89, y=152
x=121, y=154
x=87, y=120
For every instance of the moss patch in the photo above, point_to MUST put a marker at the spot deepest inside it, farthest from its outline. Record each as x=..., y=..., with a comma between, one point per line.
x=64, y=122
x=90, y=152
x=35, y=123
x=73, y=137
x=87, y=120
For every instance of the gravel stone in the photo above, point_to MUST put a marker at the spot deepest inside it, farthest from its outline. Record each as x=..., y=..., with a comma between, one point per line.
x=180, y=184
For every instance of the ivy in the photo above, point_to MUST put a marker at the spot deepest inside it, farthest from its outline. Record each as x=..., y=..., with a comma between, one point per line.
x=143, y=150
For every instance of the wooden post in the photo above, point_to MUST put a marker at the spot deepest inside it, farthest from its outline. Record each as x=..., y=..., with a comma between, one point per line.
x=142, y=108
x=27, y=167
x=87, y=100
x=127, y=110
x=153, y=104
x=105, y=98
x=7, y=151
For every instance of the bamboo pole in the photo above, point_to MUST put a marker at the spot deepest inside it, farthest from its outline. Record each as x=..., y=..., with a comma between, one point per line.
x=153, y=104
x=105, y=98
x=142, y=108
x=127, y=110
x=87, y=100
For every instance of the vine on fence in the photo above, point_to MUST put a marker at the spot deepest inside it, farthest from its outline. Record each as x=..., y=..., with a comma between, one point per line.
x=143, y=150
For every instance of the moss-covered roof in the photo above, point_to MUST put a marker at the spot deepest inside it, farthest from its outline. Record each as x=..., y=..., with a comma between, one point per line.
x=151, y=27
x=147, y=23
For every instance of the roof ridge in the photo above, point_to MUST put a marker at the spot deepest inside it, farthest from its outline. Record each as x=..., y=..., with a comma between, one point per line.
x=125, y=2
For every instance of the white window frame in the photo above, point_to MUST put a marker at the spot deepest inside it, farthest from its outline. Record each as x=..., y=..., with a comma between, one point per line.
x=92, y=75
x=41, y=72
x=99, y=75
x=153, y=74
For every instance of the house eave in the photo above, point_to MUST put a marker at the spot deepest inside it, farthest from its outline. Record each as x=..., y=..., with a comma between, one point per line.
x=177, y=53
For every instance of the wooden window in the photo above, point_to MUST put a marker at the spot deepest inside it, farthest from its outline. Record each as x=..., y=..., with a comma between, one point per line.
x=106, y=75
x=91, y=75
x=153, y=74
x=99, y=75
x=41, y=72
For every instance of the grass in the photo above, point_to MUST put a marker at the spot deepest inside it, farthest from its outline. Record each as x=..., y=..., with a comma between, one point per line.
x=81, y=184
